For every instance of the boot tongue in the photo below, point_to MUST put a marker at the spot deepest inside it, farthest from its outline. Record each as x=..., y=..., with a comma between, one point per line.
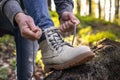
x=54, y=39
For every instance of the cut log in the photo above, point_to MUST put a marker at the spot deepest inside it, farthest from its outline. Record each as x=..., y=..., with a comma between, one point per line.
x=105, y=65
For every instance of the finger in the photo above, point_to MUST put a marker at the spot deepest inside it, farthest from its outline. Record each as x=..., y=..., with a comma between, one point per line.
x=62, y=27
x=35, y=29
x=71, y=24
x=38, y=34
x=31, y=25
x=26, y=32
x=74, y=19
x=67, y=24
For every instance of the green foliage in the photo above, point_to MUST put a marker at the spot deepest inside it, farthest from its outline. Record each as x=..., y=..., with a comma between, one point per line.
x=92, y=29
x=53, y=14
x=39, y=59
x=13, y=63
x=7, y=40
x=54, y=17
x=88, y=20
x=89, y=36
x=85, y=31
x=117, y=21
x=4, y=73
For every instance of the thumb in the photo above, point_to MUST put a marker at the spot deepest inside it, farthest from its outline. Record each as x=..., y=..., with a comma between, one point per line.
x=74, y=19
x=31, y=24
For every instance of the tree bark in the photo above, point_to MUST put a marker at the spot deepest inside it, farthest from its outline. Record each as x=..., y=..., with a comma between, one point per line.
x=78, y=7
x=116, y=9
x=103, y=11
x=90, y=7
x=110, y=10
x=105, y=66
x=49, y=4
x=99, y=9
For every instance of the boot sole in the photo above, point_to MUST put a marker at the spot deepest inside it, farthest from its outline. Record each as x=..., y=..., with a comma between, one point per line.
x=74, y=62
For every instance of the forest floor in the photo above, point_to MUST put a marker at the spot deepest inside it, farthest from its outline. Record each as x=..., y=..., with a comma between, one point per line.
x=8, y=60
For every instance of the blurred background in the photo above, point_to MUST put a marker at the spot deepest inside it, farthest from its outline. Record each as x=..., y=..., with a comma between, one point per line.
x=108, y=10
x=99, y=19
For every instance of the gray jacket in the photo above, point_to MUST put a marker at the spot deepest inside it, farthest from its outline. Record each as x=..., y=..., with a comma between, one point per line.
x=10, y=8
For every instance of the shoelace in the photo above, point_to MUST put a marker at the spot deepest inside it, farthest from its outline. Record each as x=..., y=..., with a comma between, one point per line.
x=33, y=61
x=56, y=39
x=74, y=34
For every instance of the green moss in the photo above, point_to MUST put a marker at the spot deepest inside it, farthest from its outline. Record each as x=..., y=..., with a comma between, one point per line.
x=53, y=14
x=85, y=31
x=117, y=21
x=6, y=39
x=87, y=20
x=4, y=72
x=91, y=38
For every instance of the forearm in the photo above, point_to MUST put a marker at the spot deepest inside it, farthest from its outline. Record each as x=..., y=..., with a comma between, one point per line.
x=10, y=9
x=64, y=5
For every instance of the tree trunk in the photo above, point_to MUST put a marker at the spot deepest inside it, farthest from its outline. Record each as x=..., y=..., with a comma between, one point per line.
x=105, y=9
x=119, y=8
x=99, y=6
x=110, y=10
x=90, y=7
x=116, y=9
x=49, y=4
x=105, y=66
x=78, y=6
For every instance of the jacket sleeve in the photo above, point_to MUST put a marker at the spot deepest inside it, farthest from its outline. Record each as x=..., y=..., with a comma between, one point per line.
x=63, y=5
x=10, y=8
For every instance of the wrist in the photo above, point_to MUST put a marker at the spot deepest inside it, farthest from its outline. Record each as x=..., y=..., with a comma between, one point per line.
x=18, y=17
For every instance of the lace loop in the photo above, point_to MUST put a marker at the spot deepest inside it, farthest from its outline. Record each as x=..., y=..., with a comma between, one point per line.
x=55, y=39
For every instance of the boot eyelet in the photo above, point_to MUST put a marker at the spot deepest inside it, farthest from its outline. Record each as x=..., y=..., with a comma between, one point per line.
x=50, y=40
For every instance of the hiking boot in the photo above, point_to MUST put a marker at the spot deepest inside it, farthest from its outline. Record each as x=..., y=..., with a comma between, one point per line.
x=59, y=55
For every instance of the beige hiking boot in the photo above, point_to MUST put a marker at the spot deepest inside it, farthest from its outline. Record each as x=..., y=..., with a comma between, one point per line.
x=59, y=55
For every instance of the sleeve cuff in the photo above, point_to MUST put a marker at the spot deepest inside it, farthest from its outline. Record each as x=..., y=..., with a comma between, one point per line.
x=10, y=9
x=67, y=9
x=64, y=5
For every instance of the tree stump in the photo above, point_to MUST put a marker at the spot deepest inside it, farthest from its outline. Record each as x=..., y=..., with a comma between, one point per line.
x=105, y=65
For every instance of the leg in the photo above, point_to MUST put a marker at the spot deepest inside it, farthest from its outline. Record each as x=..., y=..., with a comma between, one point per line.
x=56, y=53
x=24, y=48
x=38, y=9
x=24, y=56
